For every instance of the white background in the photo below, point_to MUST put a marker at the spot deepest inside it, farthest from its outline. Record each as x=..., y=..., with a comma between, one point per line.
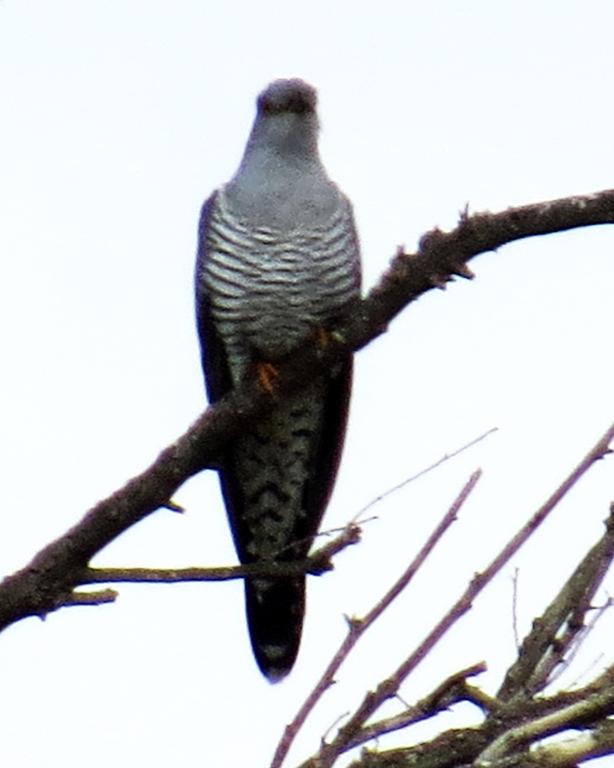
x=117, y=119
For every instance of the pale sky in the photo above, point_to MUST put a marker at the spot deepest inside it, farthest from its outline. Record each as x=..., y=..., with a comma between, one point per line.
x=118, y=119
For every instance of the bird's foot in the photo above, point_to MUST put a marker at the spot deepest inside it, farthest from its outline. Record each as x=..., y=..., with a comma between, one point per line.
x=267, y=375
x=321, y=337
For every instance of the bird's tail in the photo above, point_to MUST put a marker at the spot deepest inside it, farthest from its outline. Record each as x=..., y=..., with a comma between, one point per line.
x=275, y=611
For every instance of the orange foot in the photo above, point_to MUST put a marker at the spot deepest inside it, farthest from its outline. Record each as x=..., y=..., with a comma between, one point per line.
x=321, y=337
x=267, y=375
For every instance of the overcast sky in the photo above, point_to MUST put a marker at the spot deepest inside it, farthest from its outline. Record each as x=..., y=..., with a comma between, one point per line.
x=118, y=118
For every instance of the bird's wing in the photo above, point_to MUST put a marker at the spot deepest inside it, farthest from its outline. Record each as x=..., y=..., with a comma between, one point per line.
x=326, y=450
x=213, y=356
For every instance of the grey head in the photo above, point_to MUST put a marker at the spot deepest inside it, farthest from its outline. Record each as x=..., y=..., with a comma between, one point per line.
x=281, y=176
x=286, y=121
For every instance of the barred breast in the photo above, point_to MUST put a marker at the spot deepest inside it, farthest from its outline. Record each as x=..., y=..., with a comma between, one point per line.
x=270, y=287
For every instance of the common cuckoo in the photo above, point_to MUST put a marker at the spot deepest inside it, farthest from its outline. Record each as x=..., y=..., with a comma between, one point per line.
x=278, y=262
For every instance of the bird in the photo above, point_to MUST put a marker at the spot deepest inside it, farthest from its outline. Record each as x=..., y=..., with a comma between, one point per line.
x=278, y=264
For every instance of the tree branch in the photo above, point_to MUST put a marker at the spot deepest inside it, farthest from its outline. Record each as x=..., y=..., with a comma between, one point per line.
x=46, y=583
x=372, y=701
x=451, y=691
x=599, y=705
x=546, y=645
x=316, y=564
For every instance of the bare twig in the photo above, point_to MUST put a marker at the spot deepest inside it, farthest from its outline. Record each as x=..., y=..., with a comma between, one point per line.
x=315, y=564
x=357, y=627
x=99, y=597
x=451, y=691
x=425, y=471
x=515, y=608
x=597, y=613
x=173, y=506
x=329, y=752
x=195, y=574
x=545, y=646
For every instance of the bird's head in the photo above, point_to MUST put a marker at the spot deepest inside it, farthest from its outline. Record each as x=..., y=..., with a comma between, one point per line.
x=287, y=119
x=292, y=96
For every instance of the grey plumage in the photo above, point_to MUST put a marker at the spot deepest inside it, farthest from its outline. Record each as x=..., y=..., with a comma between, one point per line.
x=277, y=258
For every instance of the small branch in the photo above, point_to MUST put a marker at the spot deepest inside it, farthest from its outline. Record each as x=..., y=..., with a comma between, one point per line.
x=481, y=700
x=357, y=627
x=179, y=575
x=100, y=597
x=321, y=559
x=597, y=613
x=515, y=609
x=545, y=646
x=450, y=517
x=173, y=506
x=451, y=691
x=595, y=707
x=316, y=564
x=597, y=452
x=425, y=471
x=568, y=753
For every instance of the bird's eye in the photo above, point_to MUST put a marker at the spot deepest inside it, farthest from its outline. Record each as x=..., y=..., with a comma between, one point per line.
x=294, y=103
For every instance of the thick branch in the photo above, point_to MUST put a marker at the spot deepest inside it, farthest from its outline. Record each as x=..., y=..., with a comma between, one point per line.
x=47, y=581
